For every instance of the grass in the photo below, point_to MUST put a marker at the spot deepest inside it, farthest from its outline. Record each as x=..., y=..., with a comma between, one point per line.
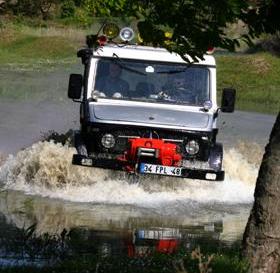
x=26, y=49
x=26, y=45
x=256, y=79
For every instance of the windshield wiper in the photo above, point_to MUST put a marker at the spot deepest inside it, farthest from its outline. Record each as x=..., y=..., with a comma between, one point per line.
x=122, y=65
x=171, y=71
x=174, y=71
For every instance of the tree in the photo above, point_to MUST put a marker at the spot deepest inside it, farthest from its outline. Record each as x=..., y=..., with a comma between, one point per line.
x=194, y=26
x=261, y=242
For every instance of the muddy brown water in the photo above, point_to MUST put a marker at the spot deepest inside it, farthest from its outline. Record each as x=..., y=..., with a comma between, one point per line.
x=111, y=212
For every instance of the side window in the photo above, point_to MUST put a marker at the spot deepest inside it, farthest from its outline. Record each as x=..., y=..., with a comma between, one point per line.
x=102, y=71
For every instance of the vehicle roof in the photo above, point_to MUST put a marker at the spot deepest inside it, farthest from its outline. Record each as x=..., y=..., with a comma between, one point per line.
x=147, y=53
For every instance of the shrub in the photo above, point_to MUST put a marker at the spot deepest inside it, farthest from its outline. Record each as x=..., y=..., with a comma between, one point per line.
x=67, y=9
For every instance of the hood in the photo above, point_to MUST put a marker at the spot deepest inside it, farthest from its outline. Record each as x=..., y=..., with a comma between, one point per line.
x=151, y=115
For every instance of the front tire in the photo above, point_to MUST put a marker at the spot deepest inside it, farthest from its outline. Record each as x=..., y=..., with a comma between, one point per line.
x=80, y=144
x=216, y=157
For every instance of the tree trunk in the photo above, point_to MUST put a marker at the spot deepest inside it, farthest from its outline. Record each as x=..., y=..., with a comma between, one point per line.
x=261, y=239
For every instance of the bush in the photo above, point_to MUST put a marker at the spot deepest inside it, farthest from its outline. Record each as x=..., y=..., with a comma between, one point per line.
x=67, y=9
x=26, y=7
x=82, y=18
x=29, y=8
x=272, y=44
x=78, y=3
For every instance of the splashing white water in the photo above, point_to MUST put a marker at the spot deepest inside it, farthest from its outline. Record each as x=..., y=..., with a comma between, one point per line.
x=45, y=169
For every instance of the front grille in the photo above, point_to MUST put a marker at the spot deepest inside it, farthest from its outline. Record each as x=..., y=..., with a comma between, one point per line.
x=122, y=135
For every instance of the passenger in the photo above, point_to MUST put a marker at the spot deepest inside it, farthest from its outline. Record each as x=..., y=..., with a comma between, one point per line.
x=113, y=84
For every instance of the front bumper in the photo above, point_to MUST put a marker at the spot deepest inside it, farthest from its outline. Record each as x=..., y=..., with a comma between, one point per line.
x=113, y=164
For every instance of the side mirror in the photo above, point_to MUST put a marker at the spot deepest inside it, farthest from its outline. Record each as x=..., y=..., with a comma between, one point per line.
x=75, y=86
x=228, y=100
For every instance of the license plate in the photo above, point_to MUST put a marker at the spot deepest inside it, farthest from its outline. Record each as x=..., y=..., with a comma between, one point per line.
x=86, y=161
x=160, y=169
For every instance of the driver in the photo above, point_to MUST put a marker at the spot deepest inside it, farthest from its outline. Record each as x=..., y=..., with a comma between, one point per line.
x=113, y=84
x=179, y=90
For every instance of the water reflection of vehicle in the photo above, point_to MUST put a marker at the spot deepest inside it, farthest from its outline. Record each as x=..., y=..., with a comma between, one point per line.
x=114, y=230
x=143, y=241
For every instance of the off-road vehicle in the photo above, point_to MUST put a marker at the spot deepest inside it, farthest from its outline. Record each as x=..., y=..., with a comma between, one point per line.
x=145, y=110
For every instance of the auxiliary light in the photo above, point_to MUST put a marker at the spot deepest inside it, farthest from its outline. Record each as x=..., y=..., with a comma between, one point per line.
x=127, y=34
x=111, y=30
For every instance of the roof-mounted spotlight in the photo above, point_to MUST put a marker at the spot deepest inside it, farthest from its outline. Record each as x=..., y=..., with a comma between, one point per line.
x=127, y=34
x=111, y=30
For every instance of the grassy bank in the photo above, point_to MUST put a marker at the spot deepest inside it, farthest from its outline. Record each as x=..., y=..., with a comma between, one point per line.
x=255, y=76
x=182, y=262
x=256, y=79
x=87, y=250
x=20, y=45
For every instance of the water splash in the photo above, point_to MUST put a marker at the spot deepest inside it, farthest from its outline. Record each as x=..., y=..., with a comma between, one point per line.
x=45, y=169
x=2, y=159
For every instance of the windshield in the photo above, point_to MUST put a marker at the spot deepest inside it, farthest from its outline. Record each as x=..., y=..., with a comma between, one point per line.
x=151, y=81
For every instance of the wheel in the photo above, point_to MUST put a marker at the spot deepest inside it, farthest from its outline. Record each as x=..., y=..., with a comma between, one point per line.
x=80, y=145
x=216, y=157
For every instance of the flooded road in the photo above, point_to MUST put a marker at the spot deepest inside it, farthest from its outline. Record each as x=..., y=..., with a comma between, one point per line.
x=112, y=212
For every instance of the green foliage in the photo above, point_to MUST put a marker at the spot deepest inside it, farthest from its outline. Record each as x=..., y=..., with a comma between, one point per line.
x=196, y=25
x=233, y=264
x=30, y=8
x=82, y=17
x=67, y=9
x=78, y=3
x=27, y=7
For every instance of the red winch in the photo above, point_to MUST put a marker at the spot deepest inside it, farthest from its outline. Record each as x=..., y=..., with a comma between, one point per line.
x=163, y=153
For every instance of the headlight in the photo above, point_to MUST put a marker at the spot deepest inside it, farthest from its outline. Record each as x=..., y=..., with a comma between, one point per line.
x=192, y=147
x=108, y=141
x=127, y=34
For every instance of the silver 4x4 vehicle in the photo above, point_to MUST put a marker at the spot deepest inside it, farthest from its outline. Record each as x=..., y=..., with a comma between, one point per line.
x=145, y=110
